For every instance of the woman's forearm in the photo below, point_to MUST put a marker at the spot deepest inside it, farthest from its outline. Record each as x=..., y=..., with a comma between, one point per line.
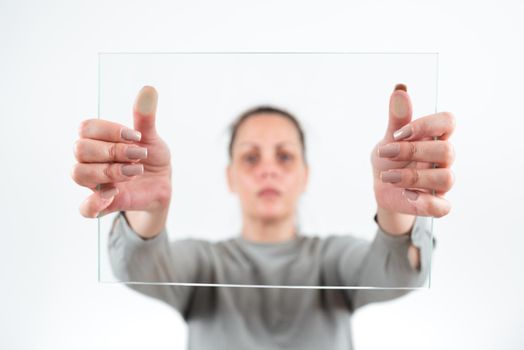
x=395, y=223
x=147, y=224
x=398, y=224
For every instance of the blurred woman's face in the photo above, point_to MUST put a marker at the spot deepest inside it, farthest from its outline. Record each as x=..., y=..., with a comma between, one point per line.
x=267, y=169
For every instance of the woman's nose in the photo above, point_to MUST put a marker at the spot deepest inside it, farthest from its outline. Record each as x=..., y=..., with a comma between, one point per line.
x=268, y=168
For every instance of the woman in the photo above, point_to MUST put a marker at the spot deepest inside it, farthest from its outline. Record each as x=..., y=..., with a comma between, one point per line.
x=268, y=171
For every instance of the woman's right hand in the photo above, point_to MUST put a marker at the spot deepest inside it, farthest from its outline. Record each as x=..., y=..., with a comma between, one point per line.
x=133, y=167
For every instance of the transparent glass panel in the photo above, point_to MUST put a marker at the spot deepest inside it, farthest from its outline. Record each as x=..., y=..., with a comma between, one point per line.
x=342, y=101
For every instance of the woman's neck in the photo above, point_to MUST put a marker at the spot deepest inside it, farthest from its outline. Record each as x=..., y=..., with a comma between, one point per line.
x=269, y=231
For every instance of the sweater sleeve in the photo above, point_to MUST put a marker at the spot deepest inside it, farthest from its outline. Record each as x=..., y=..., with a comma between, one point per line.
x=384, y=262
x=150, y=266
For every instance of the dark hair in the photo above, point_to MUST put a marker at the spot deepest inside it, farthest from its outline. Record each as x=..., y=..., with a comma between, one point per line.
x=262, y=109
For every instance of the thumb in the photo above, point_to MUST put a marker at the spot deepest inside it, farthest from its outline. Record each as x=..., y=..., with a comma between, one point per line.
x=144, y=113
x=400, y=111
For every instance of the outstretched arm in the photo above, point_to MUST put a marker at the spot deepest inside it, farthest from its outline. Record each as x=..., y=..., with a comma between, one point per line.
x=384, y=263
x=411, y=174
x=152, y=264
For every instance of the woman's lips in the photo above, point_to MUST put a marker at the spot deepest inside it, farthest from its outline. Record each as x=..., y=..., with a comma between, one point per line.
x=269, y=192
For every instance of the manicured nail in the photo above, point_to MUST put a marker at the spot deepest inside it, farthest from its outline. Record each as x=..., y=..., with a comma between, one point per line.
x=108, y=193
x=399, y=107
x=411, y=195
x=132, y=169
x=133, y=152
x=401, y=87
x=147, y=100
x=130, y=134
x=389, y=150
x=403, y=132
x=390, y=176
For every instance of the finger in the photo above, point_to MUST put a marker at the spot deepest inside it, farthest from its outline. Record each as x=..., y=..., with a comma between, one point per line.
x=90, y=175
x=440, y=180
x=400, y=111
x=435, y=151
x=144, y=113
x=95, y=151
x=104, y=130
x=97, y=202
x=426, y=204
x=415, y=202
x=440, y=125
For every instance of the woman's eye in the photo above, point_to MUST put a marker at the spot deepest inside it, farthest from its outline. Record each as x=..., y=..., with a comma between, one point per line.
x=250, y=158
x=285, y=157
x=253, y=158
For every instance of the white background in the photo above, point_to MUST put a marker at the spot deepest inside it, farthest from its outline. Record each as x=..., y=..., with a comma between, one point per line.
x=50, y=297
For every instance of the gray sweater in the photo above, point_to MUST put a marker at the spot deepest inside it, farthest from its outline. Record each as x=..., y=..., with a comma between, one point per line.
x=269, y=318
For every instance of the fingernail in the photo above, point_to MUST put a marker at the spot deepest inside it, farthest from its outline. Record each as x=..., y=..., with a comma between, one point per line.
x=389, y=150
x=132, y=169
x=401, y=87
x=108, y=193
x=134, y=152
x=147, y=99
x=403, y=132
x=390, y=176
x=411, y=195
x=130, y=134
x=399, y=106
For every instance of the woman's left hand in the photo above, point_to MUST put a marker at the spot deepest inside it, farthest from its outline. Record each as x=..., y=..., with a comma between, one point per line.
x=404, y=177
